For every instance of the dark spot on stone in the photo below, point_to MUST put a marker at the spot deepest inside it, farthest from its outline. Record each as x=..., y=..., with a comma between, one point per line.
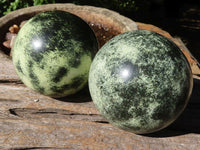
x=39, y=18
x=34, y=78
x=37, y=57
x=41, y=66
x=144, y=57
x=101, y=84
x=140, y=112
x=180, y=102
x=112, y=43
x=56, y=89
x=130, y=127
x=161, y=112
x=75, y=61
x=36, y=83
x=39, y=88
x=62, y=71
x=47, y=34
x=128, y=92
x=18, y=66
x=143, y=121
x=61, y=89
x=30, y=64
x=66, y=86
x=77, y=81
x=118, y=112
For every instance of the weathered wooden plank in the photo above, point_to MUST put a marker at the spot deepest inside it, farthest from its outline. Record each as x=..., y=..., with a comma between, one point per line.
x=29, y=120
x=18, y=96
x=7, y=72
x=61, y=133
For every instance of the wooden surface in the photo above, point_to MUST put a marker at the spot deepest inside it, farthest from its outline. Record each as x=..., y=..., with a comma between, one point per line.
x=29, y=120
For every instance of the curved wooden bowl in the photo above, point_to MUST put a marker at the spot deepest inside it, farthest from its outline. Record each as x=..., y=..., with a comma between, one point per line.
x=31, y=120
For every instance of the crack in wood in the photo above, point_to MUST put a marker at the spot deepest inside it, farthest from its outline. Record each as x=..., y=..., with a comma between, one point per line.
x=11, y=81
x=35, y=148
x=13, y=112
x=106, y=122
x=9, y=100
x=30, y=113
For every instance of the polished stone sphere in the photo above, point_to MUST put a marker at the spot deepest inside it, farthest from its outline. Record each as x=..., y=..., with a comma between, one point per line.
x=140, y=81
x=53, y=52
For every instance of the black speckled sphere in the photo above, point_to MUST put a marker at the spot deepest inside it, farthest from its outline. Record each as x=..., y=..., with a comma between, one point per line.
x=140, y=81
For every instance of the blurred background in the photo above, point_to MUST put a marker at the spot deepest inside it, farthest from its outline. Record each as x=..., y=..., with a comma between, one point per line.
x=179, y=18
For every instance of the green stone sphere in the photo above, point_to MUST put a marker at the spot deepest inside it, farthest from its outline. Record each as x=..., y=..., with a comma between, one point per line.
x=140, y=81
x=53, y=52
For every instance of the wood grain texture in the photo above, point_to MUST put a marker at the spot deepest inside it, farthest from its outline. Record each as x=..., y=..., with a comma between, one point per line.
x=29, y=120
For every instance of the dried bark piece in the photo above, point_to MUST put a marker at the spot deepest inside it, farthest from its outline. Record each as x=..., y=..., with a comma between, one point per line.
x=14, y=29
x=7, y=44
x=9, y=35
